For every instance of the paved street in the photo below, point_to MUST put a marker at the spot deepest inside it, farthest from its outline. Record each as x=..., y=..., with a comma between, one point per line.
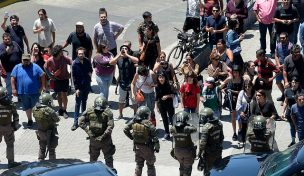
x=167, y=14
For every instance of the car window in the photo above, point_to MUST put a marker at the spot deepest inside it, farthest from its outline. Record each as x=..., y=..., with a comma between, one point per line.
x=281, y=160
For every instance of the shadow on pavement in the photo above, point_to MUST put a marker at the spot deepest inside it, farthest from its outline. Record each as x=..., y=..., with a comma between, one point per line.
x=226, y=144
x=113, y=105
x=225, y=118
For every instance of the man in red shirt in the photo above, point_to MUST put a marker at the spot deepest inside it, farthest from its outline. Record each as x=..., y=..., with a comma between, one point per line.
x=56, y=68
x=265, y=71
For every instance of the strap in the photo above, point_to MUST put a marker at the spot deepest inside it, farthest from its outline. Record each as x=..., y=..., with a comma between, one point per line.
x=143, y=82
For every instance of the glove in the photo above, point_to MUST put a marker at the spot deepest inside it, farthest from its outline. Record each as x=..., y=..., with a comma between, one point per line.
x=156, y=147
x=15, y=125
x=99, y=138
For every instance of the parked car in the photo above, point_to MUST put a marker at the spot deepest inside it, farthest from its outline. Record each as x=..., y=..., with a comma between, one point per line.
x=289, y=162
x=66, y=167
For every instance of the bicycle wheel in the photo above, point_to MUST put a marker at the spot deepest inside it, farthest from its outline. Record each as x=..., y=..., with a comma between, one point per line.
x=176, y=55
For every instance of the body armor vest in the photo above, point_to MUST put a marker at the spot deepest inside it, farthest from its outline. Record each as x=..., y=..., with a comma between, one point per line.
x=43, y=118
x=140, y=133
x=182, y=139
x=5, y=115
x=98, y=123
x=214, y=138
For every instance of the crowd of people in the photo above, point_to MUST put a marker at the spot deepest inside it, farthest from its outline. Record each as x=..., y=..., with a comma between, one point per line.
x=149, y=81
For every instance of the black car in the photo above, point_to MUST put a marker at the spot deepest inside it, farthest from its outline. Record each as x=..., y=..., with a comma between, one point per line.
x=58, y=167
x=289, y=162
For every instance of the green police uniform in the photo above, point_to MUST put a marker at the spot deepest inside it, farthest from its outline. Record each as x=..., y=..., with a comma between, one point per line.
x=258, y=135
x=99, y=126
x=7, y=127
x=145, y=140
x=259, y=144
x=212, y=137
x=47, y=133
x=184, y=149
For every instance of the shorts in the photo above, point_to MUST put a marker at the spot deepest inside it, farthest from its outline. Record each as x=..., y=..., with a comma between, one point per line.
x=61, y=85
x=29, y=100
x=192, y=23
x=279, y=78
x=123, y=96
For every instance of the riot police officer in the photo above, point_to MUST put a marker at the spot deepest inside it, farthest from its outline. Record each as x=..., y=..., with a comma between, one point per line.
x=259, y=136
x=145, y=140
x=47, y=134
x=8, y=125
x=184, y=149
x=98, y=123
x=211, y=144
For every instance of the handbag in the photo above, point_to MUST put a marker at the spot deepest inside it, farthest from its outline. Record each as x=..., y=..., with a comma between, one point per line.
x=143, y=53
x=139, y=97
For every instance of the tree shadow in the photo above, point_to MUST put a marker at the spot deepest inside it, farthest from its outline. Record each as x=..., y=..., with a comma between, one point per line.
x=226, y=144
x=226, y=118
x=113, y=105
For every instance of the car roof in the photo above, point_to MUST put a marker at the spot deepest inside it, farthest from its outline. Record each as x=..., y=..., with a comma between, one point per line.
x=66, y=167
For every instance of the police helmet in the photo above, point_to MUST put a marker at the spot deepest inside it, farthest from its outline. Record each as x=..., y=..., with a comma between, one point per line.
x=147, y=14
x=100, y=103
x=259, y=123
x=206, y=115
x=143, y=112
x=182, y=117
x=45, y=99
x=3, y=92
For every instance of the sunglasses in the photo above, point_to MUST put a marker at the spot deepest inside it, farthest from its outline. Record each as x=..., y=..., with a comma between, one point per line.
x=282, y=38
x=215, y=10
x=258, y=95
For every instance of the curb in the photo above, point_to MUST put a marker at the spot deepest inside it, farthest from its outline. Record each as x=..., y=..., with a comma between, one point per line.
x=4, y=3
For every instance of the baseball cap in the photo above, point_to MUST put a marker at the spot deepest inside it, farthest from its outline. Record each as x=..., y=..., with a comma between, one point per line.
x=79, y=23
x=26, y=57
x=209, y=81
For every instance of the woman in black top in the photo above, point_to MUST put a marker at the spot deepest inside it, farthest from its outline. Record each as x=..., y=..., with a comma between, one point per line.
x=164, y=98
x=36, y=55
x=234, y=86
x=262, y=106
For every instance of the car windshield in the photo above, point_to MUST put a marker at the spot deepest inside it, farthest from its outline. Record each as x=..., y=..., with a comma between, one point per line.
x=280, y=160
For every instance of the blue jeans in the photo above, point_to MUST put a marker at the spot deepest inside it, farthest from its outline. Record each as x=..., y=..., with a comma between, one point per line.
x=8, y=84
x=80, y=100
x=104, y=83
x=263, y=31
x=149, y=101
x=189, y=110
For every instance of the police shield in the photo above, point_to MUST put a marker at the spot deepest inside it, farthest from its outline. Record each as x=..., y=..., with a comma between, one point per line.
x=193, y=120
x=270, y=130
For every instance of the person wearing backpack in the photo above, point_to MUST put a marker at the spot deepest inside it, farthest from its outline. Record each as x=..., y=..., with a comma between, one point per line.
x=144, y=136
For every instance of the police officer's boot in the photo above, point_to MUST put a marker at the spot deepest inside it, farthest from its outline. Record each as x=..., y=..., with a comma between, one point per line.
x=12, y=164
x=52, y=154
x=138, y=171
x=151, y=170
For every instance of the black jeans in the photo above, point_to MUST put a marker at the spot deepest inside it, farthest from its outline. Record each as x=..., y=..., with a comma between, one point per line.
x=263, y=31
x=167, y=111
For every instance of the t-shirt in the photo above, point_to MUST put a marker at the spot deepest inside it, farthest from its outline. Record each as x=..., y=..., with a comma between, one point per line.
x=211, y=98
x=45, y=37
x=17, y=34
x=285, y=14
x=266, y=10
x=61, y=65
x=27, y=78
x=298, y=113
x=190, y=92
x=106, y=33
x=102, y=66
x=294, y=68
x=217, y=24
x=265, y=69
x=193, y=8
x=127, y=71
x=267, y=110
x=80, y=41
x=290, y=95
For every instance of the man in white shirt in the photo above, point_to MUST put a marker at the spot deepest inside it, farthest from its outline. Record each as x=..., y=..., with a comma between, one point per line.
x=45, y=28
